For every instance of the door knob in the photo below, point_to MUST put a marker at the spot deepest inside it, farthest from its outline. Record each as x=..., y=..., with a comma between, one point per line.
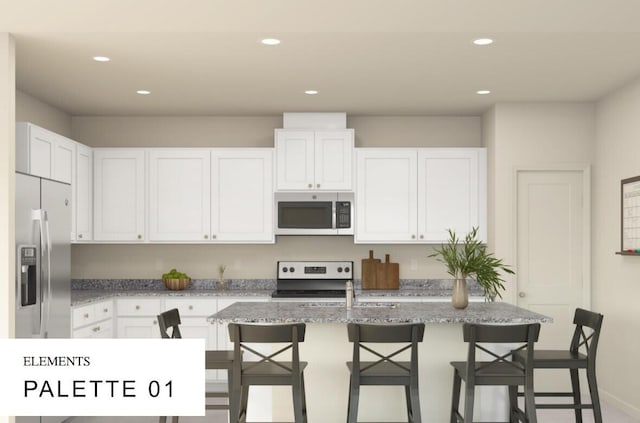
x=522, y=294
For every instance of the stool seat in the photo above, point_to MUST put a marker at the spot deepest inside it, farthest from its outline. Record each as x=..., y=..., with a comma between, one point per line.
x=555, y=359
x=489, y=373
x=218, y=360
x=256, y=371
x=374, y=369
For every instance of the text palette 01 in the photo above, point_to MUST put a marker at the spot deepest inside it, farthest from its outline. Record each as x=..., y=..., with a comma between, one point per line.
x=102, y=377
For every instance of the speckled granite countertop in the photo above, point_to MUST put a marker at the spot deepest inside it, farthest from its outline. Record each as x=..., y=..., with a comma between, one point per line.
x=401, y=312
x=87, y=296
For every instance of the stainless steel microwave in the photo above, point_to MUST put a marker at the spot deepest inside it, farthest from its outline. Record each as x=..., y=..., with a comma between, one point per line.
x=321, y=213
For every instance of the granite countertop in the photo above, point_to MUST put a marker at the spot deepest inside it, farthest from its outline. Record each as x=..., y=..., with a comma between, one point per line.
x=401, y=312
x=87, y=296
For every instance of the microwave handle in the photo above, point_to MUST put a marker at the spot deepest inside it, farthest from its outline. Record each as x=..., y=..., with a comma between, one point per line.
x=333, y=214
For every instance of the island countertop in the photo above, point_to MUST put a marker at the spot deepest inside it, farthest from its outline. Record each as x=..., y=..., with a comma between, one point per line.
x=400, y=312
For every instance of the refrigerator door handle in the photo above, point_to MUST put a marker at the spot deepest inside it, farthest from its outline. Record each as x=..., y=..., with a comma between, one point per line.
x=49, y=294
x=39, y=216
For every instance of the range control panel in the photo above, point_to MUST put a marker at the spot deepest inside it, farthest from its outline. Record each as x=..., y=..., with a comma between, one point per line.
x=315, y=270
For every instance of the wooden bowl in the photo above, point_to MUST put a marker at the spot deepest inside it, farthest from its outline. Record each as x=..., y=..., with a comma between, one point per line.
x=176, y=284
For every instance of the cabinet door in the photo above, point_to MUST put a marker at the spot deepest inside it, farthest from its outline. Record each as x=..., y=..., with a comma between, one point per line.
x=179, y=194
x=333, y=160
x=138, y=327
x=64, y=159
x=40, y=151
x=449, y=192
x=83, y=194
x=294, y=160
x=242, y=195
x=386, y=195
x=118, y=179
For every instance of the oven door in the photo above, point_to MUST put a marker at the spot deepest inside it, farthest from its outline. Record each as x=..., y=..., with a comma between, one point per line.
x=306, y=218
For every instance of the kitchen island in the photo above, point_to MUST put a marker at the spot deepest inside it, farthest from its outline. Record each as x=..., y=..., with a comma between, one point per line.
x=327, y=348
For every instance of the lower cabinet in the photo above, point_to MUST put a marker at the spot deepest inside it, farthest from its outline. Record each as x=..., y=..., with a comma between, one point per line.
x=138, y=317
x=93, y=320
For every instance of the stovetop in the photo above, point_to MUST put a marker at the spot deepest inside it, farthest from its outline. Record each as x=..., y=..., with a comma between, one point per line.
x=312, y=279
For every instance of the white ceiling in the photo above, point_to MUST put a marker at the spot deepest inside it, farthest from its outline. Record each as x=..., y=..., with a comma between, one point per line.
x=364, y=56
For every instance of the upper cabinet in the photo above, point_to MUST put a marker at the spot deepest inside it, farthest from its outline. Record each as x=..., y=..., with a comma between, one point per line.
x=415, y=195
x=44, y=153
x=83, y=194
x=179, y=194
x=242, y=195
x=119, y=194
x=314, y=160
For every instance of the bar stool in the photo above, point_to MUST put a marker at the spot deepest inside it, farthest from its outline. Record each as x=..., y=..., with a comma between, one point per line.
x=214, y=360
x=498, y=371
x=266, y=370
x=573, y=360
x=386, y=370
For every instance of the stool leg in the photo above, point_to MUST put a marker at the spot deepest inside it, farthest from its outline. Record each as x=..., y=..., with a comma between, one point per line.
x=513, y=403
x=244, y=399
x=175, y=419
x=354, y=393
x=469, y=397
x=455, y=397
x=415, y=405
x=297, y=400
x=304, y=401
x=162, y=419
x=407, y=398
x=530, y=402
x=575, y=389
x=595, y=396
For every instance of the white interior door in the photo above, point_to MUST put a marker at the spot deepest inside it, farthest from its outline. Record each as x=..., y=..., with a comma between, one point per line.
x=552, y=251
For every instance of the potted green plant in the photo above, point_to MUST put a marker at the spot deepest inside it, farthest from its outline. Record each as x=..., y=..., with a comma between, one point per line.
x=469, y=259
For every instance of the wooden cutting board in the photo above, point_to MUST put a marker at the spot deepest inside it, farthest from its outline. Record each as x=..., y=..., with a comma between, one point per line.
x=387, y=274
x=369, y=270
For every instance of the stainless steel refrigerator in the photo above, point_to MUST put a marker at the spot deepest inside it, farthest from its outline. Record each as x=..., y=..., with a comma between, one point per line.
x=43, y=255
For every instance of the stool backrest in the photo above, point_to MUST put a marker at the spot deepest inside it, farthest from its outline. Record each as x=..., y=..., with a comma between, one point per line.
x=408, y=334
x=170, y=319
x=526, y=335
x=585, y=318
x=240, y=334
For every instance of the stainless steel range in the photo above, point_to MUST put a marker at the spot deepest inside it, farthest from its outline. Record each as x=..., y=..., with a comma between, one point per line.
x=312, y=279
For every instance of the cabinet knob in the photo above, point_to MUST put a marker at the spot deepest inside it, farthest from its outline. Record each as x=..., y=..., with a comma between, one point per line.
x=213, y=236
x=86, y=315
x=139, y=236
x=190, y=307
x=80, y=236
x=421, y=236
x=137, y=307
x=522, y=294
x=106, y=310
x=413, y=237
x=96, y=329
x=317, y=185
x=206, y=237
x=155, y=322
x=310, y=186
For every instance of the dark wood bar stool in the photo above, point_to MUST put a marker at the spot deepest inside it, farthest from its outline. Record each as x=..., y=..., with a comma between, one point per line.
x=214, y=360
x=573, y=360
x=386, y=370
x=498, y=371
x=266, y=370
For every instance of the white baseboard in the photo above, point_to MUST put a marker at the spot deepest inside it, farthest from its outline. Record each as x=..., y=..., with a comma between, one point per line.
x=619, y=404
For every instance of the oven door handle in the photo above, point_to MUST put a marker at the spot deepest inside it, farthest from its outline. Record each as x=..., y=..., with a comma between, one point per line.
x=333, y=214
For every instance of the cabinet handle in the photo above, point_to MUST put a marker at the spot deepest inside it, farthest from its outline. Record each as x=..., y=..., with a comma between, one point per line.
x=421, y=236
x=96, y=329
x=137, y=307
x=310, y=185
x=206, y=237
x=80, y=236
x=213, y=236
x=413, y=237
x=190, y=307
x=139, y=236
x=86, y=315
x=317, y=185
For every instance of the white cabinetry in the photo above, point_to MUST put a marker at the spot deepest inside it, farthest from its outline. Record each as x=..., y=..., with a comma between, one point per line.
x=318, y=160
x=93, y=320
x=179, y=194
x=41, y=152
x=82, y=185
x=242, y=195
x=119, y=194
x=415, y=195
x=137, y=317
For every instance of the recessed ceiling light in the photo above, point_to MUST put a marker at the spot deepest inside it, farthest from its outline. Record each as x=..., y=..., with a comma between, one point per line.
x=483, y=92
x=483, y=41
x=311, y=92
x=101, y=59
x=270, y=41
x=143, y=92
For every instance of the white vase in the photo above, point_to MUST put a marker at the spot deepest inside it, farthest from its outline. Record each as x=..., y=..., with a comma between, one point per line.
x=460, y=296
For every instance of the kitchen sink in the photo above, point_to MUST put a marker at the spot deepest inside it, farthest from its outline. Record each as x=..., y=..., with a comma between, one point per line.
x=357, y=305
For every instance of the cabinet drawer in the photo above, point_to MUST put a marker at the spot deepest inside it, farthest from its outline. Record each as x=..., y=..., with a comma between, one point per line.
x=97, y=330
x=138, y=307
x=103, y=310
x=191, y=307
x=83, y=315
